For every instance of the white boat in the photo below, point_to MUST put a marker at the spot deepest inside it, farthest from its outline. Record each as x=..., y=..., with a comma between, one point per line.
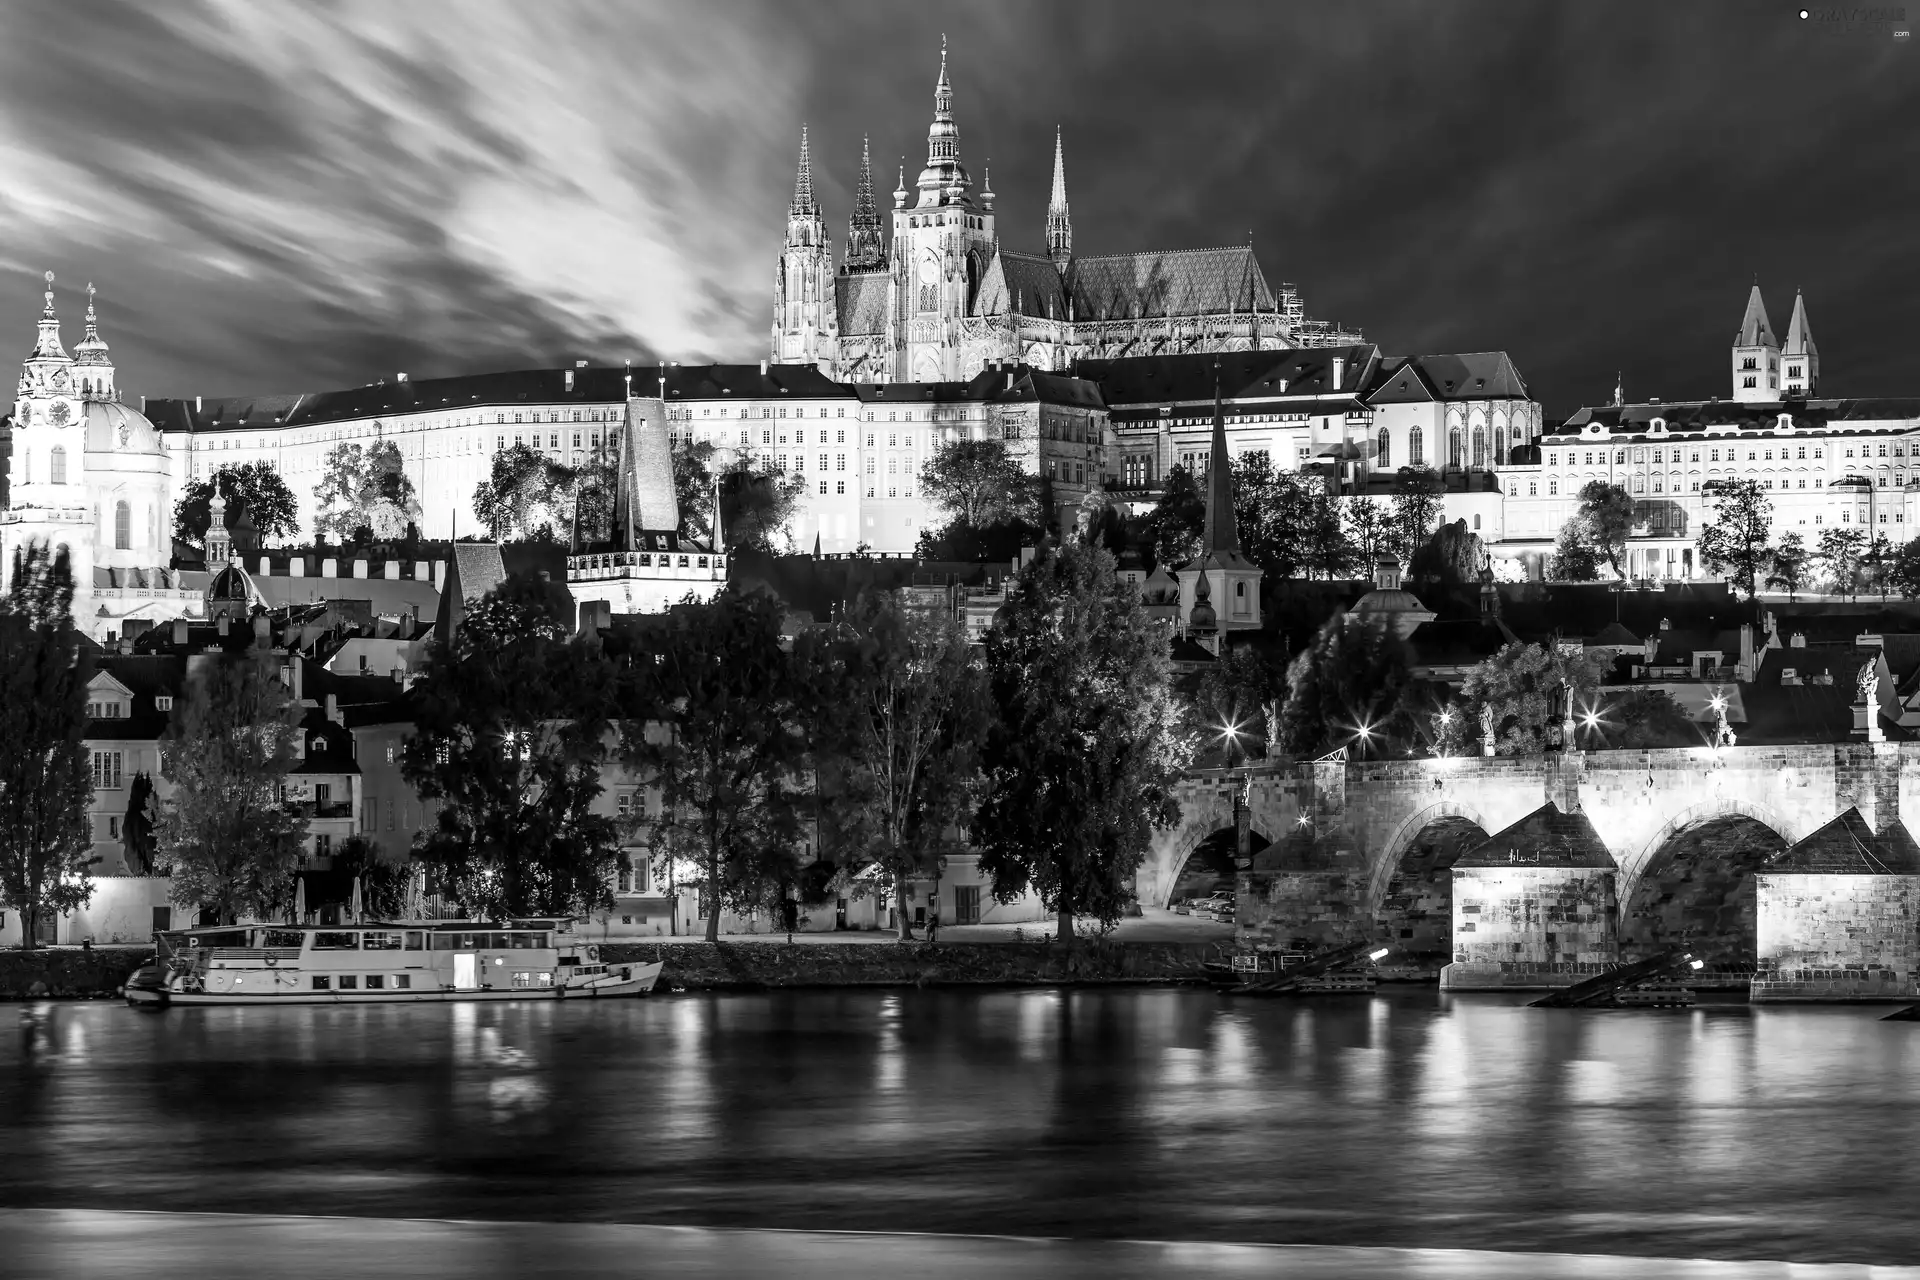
x=381, y=963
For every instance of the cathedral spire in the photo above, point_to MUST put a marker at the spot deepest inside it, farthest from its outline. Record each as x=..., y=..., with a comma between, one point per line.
x=804, y=205
x=865, y=245
x=47, y=345
x=1799, y=332
x=1755, y=331
x=944, y=180
x=1800, y=357
x=1222, y=533
x=91, y=349
x=1059, y=225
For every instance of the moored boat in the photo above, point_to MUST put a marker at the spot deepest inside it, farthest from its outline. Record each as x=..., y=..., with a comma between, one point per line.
x=381, y=963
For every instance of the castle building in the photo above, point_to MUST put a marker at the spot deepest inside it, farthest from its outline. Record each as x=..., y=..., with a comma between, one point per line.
x=940, y=299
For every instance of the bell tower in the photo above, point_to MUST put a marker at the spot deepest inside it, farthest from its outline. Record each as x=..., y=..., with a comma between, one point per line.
x=805, y=322
x=1799, y=358
x=46, y=477
x=1756, y=355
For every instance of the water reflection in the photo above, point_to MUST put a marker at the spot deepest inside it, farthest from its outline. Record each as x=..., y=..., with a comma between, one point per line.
x=1409, y=1119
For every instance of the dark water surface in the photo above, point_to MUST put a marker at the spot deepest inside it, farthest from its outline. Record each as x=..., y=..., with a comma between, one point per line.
x=1408, y=1120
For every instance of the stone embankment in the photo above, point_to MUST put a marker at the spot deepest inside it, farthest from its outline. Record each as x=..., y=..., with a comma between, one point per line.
x=64, y=973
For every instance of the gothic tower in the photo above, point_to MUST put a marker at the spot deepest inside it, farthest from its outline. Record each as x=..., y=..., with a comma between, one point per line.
x=941, y=246
x=866, y=238
x=1059, y=225
x=805, y=325
x=1756, y=356
x=1801, y=376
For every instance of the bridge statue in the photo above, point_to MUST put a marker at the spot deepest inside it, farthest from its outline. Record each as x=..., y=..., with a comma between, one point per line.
x=1486, y=730
x=1870, y=685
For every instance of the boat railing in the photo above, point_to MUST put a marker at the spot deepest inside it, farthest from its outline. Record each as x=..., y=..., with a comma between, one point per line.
x=275, y=954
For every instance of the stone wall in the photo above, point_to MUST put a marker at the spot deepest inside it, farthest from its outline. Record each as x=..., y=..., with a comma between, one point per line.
x=1280, y=909
x=67, y=973
x=1529, y=927
x=1837, y=937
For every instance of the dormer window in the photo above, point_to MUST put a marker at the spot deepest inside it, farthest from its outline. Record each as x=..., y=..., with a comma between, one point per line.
x=163, y=702
x=1659, y=424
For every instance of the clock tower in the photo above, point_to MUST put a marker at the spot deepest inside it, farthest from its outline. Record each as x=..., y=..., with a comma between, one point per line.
x=942, y=243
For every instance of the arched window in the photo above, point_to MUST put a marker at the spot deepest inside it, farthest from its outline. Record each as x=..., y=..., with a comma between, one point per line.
x=1479, y=449
x=1385, y=459
x=59, y=464
x=122, y=526
x=1454, y=459
x=1416, y=448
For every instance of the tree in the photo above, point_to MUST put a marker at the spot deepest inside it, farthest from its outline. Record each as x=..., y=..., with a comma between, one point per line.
x=228, y=830
x=1325, y=548
x=712, y=715
x=1525, y=688
x=1230, y=703
x=1734, y=542
x=757, y=506
x=1604, y=521
x=1085, y=749
x=908, y=747
x=1370, y=528
x=1417, y=508
x=254, y=487
x=511, y=733
x=979, y=483
x=693, y=484
x=513, y=501
x=1839, y=553
x=1349, y=679
x=136, y=829
x=1638, y=719
x=1905, y=574
x=1877, y=564
x=364, y=494
x=1788, y=570
x=383, y=883
x=1176, y=522
x=45, y=783
x=1574, y=557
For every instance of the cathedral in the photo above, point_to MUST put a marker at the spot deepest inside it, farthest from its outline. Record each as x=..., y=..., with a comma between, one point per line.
x=939, y=299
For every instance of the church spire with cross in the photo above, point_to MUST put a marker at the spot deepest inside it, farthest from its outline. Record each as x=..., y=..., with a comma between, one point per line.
x=866, y=242
x=1059, y=223
x=804, y=323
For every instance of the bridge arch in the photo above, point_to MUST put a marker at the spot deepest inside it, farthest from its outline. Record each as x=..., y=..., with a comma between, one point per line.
x=1406, y=833
x=1692, y=883
x=1409, y=899
x=1166, y=860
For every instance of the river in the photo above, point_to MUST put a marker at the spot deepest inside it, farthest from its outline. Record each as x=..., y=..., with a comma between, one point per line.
x=1408, y=1121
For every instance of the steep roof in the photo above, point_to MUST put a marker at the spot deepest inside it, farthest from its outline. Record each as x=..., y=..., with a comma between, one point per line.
x=1021, y=284
x=645, y=500
x=860, y=302
x=1179, y=282
x=1755, y=331
x=1799, y=331
x=1848, y=846
x=1547, y=837
x=474, y=569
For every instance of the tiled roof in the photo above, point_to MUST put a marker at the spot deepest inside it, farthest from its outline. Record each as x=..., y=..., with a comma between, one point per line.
x=475, y=569
x=1614, y=636
x=1024, y=284
x=1007, y=384
x=646, y=502
x=606, y=386
x=1848, y=846
x=1180, y=282
x=1547, y=837
x=1248, y=375
x=1898, y=413
x=1475, y=375
x=860, y=302
x=1810, y=712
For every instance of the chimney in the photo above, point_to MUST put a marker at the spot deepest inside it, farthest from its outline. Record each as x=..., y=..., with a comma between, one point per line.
x=333, y=709
x=221, y=625
x=262, y=629
x=179, y=630
x=196, y=404
x=1009, y=379
x=763, y=368
x=399, y=377
x=569, y=380
x=1797, y=642
x=1339, y=370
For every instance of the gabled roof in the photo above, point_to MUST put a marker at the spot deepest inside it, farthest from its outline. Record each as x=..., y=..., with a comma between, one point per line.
x=1021, y=284
x=1614, y=636
x=1547, y=837
x=1897, y=412
x=860, y=302
x=1179, y=282
x=1848, y=846
x=473, y=569
x=645, y=501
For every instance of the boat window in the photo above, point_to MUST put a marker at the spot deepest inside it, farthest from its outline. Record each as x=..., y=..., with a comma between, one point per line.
x=322, y=982
x=349, y=981
x=526, y=941
x=380, y=942
x=416, y=941
x=282, y=938
x=446, y=942
x=375, y=981
x=336, y=942
x=403, y=981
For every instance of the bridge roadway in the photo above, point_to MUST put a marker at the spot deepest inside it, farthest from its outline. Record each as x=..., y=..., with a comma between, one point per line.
x=1345, y=827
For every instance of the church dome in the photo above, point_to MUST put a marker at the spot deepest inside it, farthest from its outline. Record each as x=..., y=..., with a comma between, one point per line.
x=114, y=428
x=1391, y=600
x=233, y=591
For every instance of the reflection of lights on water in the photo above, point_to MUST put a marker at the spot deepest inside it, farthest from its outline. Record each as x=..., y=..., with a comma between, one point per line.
x=1232, y=1051
x=1037, y=1019
x=511, y=1095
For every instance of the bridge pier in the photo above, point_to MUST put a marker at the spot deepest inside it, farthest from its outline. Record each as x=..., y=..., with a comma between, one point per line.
x=1839, y=915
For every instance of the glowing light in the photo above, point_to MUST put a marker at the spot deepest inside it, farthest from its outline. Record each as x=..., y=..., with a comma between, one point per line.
x=1446, y=716
x=1718, y=703
x=1304, y=820
x=1365, y=731
x=1699, y=964
x=1378, y=955
x=1591, y=720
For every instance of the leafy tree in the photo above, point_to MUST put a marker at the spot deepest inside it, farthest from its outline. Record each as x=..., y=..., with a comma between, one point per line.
x=1176, y=522
x=364, y=494
x=979, y=483
x=693, y=484
x=1370, y=528
x=1325, y=547
x=914, y=716
x=1877, y=564
x=230, y=834
x=136, y=829
x=583, y=497
x=712, y=714
x=1788, y=571
x=253, y=487
x=1904, y=576
x=1525, y=686
x=1574, y=557
x=1734, y=542
x=1637, y=719
x=1839, y=553
x=1351, y=677
x=1229, y=705
x=757, y=506
x=383, y=882
x=511, y=733
x=516, y=498
x=1085, y=749
x=1417, y=508
x=45, y=784
x=1604, y=521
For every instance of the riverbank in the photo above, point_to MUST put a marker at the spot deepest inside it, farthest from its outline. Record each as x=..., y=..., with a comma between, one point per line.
x=759, y=965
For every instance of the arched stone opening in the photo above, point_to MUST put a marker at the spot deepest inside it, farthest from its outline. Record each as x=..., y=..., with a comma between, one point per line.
x=1697, y=891
x=1414, y=912
x=1208, y=867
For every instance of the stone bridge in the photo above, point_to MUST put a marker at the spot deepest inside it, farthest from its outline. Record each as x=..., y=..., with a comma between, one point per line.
x=1369, y=846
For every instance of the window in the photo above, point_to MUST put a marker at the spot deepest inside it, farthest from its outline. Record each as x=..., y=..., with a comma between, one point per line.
x=1416, y=448
x=59, y=464
x=122, y=526
x=823, y=487
x=322, y=982
x=1383, y=456
x=840, y=486
x=349, y=981
x=1553, y=488
x=113, y=827
x=106, y=769
x=336, y=942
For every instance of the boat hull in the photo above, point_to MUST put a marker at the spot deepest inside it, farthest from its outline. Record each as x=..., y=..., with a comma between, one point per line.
x=642, y=980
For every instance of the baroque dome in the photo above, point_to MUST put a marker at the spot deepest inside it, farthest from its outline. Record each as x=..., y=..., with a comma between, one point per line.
x=114, y=428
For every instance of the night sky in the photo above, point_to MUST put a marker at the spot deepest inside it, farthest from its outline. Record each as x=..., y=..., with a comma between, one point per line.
x=275, y=198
